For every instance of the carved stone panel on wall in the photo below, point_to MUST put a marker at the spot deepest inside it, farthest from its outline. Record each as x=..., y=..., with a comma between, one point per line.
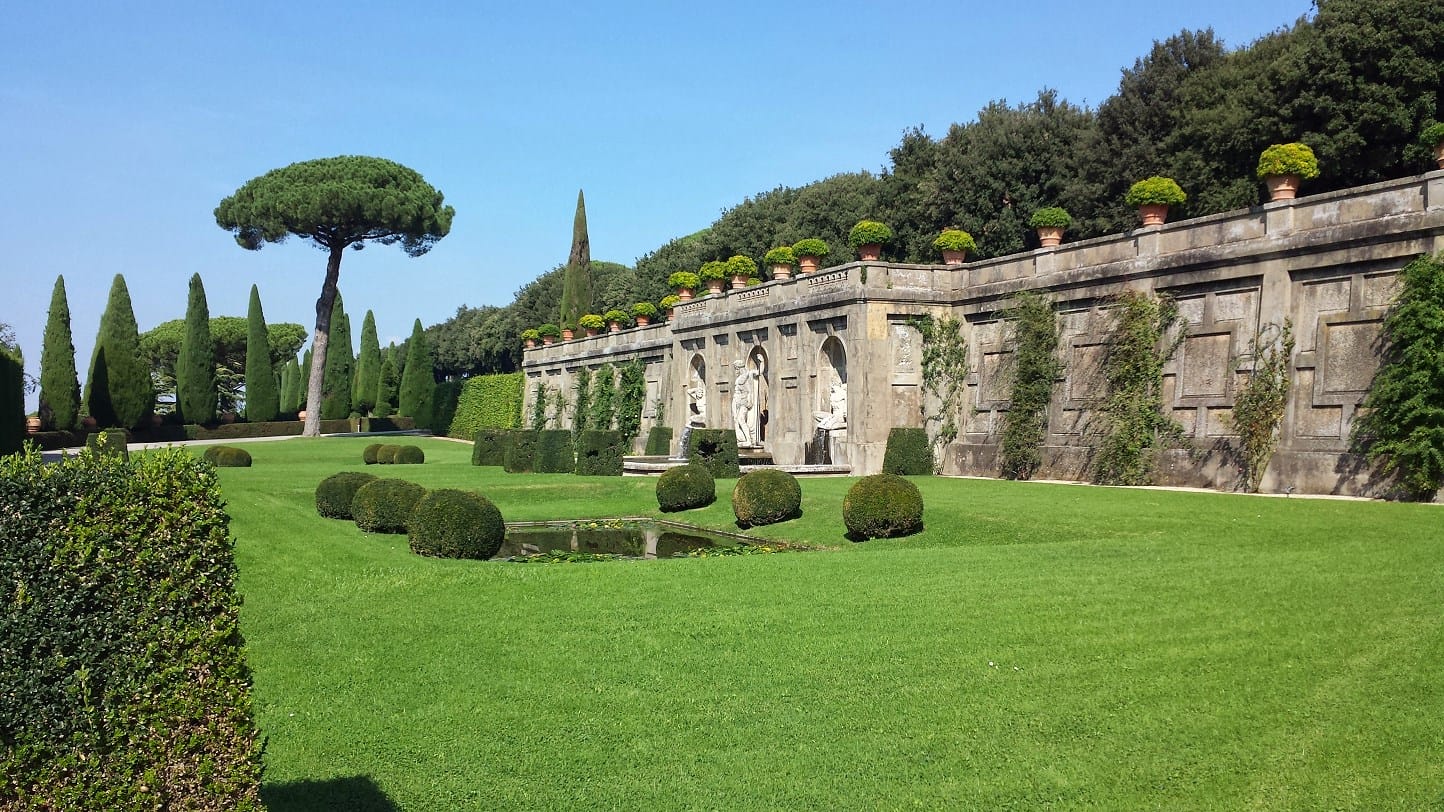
x=1205, y=365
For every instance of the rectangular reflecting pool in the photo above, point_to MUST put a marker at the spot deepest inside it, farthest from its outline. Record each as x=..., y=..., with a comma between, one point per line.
x=623, y=538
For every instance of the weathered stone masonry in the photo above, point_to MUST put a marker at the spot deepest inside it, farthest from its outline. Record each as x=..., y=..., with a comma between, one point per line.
x=1326, y=262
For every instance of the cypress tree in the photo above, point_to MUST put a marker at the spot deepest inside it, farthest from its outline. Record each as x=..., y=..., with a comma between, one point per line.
x=386, y=385
x=577, y=278
x=290, y=387
x=262, y=399
x=336, y=380
x=118, y=389
x=417, y=382
x=368, y=367
x=195, y=367
x=12, y=395
x=305, y=376
x=59, y=382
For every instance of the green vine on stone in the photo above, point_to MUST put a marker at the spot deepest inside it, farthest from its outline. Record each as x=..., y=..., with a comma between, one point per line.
x=539, y=399
x=583, y=390
x=604, y=397
x=1133, y=423
x=1036, y=368
x=1258, y=407
x=945, y=374
x=631, y=396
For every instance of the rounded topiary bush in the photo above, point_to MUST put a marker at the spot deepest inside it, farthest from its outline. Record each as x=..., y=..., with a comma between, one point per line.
x=882, y=506
x=386, y=454
x=336, y=492
x=449, y=523
x=409, y=455
x=686, y=487
x=908, y=452
x=385, y=506
x=766, y=496
x=231, y=457
x=368, y=454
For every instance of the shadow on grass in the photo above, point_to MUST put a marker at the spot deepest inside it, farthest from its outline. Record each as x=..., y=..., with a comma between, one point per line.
x=358, y=793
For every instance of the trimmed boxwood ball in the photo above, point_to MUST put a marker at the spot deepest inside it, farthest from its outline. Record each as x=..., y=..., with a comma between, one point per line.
x=908, y=452
x=685, y=487
x=386, y=454
x=449, y=523
x=227, y=456
x=336, y=492
x=767, y=496
x=882, y=506
x=368, y=454
x=212, y=454
x=409, y=455
x=385, y=506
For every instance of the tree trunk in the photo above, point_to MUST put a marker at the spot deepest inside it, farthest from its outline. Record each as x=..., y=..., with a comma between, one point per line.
x=319, y=342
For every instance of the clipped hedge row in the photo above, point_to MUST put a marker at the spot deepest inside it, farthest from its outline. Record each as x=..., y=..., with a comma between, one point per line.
x=488, y=402
x=659, y=441
x=519, y=451
x=488, y=446
x=123, y=682
x=599, y=453
x=716, y=449
x=908, y=452
x=555, y=453
x=444, y=400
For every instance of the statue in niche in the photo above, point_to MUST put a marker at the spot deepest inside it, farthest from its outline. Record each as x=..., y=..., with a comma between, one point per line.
x=744, y=403
x=697, y=401
x=835, y=418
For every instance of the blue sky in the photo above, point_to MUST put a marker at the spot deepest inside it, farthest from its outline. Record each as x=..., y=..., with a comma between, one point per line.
x=124, y=124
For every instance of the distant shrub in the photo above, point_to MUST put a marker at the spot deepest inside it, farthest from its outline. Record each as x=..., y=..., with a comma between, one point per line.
x=810, y=247
x=1155, y=191
x=659, y=441
x=226, y=456
x=712, y=270
x=867, y=232
x=685, y=487
x=368, y=454
x=108, y=443
x=386, y=454
x=519, y=451
x=743, y=266
x=882, y=506
x=591, y=321
x=1433, y=135
x=549, y=330
x=336, y=492
x=1050, y=217
x=669, y=301
x=953, y=239
x=644, y=310
x=782, y=255
x=908, y=452
x=716, y=449
x=766, y=496
x=409, y=455
x=555, y=453
x=385, y=506
x=684, y=279
x=488, y=447
x=599, y=453
x=617, y=315
x=1288, y=159
x=450, y=523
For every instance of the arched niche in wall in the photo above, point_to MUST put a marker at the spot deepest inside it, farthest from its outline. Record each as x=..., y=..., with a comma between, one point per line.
x=696, y=392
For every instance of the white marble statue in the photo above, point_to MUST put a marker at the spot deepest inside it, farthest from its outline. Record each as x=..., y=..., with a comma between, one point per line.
x=697, y=402
x=744, y=404
x=835, y=418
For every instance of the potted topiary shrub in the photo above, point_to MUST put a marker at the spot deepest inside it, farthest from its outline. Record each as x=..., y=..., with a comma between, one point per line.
x=615, y=318
x=592, y=323
x=1433, y=138
x=668, y=304
x=1051, y=222
x=781, y=260
x=867, y=237
x=684, y=282
x=569, y=331
x=955, y=245
x=1153, y=196
x=741, y=269
x=530, y=337
x=643, y=313
x=1283, y=166
x=549, y=333
x=714, y=274
x=809, y=252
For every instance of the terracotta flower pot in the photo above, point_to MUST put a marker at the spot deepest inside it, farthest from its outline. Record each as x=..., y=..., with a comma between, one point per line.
x=869, y=251
x=739, y=282
x=1439, y=154
x=781, y=271
x=1153, y=214
x=614, y=327
x=567, y=334
x=301, y=415
x=715, y=285
x=530, y=342
x=671, y=314
x=643, y=321
x=806, y=264
x=955, y=257
x=1282, y=187
x=591, y=331
x=88, y=423
x=684, y=294
x=1050, y=236
x=547, y=341
x=32, y=425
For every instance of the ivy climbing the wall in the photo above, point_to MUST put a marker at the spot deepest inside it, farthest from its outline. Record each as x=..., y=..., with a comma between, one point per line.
x=604, y=397
x=1258, y=406
x=1035, y=369
x=538, y=415
x=583, y=394
x=1132, y=423
x=631, y=395
x=945, y=375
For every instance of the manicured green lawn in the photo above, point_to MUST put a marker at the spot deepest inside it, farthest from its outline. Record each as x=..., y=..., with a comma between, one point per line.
x=1038, y=646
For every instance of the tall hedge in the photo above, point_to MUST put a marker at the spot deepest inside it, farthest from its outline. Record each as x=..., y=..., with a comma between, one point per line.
x=417, y=380
x=368, y=368
x=488, y=402
x=716, y=449
x=195, y=367
x=519, y=451
x=123, y=682
x=555, y=453
x=337, y=378
x=263, y=402
x=444, y=400
x=118, y=389
x=59, y=382
x=659, y=441
x=12, y=399
x=599, y=453
x=908, y=452
x=488, y=447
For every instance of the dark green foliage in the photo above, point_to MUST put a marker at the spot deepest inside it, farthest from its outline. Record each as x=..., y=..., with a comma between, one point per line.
x=55, y=440
x=576, y=297
x=195, y=368
x=108, y=443
x=908, y=452
x=1258, y=405
x=336, y=492
x=449, y=523
x=388, y=381
x=519, y=451
x=882, y=506
x=417, y=382
x=291, y=388
x=631, y=397
x=262, y=400
x=1036, y=368
x=686, y=487
x=1133, y=424
x=599, y=453
x=368, y=368
x=59, y=383
x=1401, y=421
x=123, y=682
x=488, y=402
x=945, y=374
x=306, y=363
x=489, y=446
x=767, y=496
x=12, y=399
x=386, y=454
x=603, y=404
x=118, y=389
x=368, y=454
x=385, y=506
x=409, y=455
x=338, y=377
x=230, y=336
x=537, y=420
x=225, y=456
x=659, y=441
x=716, y=449
x=445, y=400
x=554, y=452
x=582, y=394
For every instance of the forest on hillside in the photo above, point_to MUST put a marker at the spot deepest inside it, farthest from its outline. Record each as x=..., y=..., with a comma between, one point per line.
x=1357, y=81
